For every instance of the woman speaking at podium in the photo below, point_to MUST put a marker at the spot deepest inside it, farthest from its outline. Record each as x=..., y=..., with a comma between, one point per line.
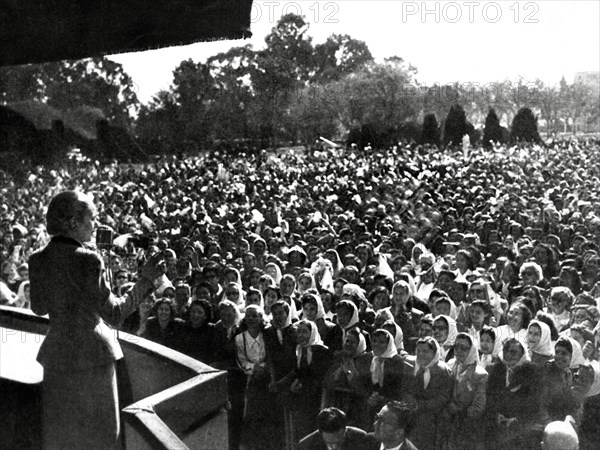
x=79, y=391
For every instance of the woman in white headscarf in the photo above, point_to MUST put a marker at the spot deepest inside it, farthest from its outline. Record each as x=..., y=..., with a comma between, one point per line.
x=313, y=310
x=381, y=376
x=23, y=298
x=338, y=392
x=431, y=388
x=304, y=383
x=445, y=332
x=490, y=347
x=462, y=416
x=513, y=399
x=562, y=389
x=539, y=343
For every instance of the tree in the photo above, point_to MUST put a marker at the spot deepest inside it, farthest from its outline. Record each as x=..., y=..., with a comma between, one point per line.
x=431, y=130
x=340, y=55
x=492, y=131
x=67, y=85
x=456, y=126
x=524, y=127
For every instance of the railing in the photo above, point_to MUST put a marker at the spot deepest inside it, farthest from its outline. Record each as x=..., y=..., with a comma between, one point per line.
x=173, y=401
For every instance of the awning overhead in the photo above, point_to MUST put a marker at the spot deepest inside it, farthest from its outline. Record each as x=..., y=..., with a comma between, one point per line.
x=51, y=30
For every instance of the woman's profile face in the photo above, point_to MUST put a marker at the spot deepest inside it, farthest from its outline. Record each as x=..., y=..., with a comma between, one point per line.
x=534, y=335
x=462, y=347
x=486, y=344
x=85, y=226
x=197, y=315
x=26, y=292
x=379, y=344
x=164, y=313
x=424, y=354
x=579, y=316
x=562, y=357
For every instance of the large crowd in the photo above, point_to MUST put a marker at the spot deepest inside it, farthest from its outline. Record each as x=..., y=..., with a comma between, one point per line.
x=462, y=282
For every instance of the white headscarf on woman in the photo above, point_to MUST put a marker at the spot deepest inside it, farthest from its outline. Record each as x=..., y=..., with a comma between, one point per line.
x=314, y=339
x=436, y=358
x=577, y=358
x=398, y=335
x=488, y=360
x=452, y=333
x=460, y=370
x=353, y=321
x=320, y=307
x=378, y=361
x=544, y=347
x=21, y=301
x=362, y=343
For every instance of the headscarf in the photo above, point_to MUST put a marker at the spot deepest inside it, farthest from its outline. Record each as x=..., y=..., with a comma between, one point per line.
x=362, y=342
x=398, y=334
x=436, y=358
x=238, y=316
x=315, y=339
x=288, y=320
x=418, y=246
x=239, y=302
x=238, y=276
x=452, y=333
x=460, y=369
x=521, y=361
x=277, y=275
x=287, y=323
x=320, y=307
x=577, y=358
x=544, y=347
x=313, y=284
x=453, y=309
x=378, y=361
x=353, y=321
x=486, y=360
x=21, y=301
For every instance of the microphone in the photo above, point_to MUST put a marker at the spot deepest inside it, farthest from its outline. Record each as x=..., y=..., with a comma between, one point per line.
x=104, y=237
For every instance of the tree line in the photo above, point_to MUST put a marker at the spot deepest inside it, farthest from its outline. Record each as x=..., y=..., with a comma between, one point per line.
x=295, y=91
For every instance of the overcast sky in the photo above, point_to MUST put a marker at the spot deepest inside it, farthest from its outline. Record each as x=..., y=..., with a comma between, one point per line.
x=499, y=40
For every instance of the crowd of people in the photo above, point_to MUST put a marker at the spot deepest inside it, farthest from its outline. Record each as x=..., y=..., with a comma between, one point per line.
x=464, y=284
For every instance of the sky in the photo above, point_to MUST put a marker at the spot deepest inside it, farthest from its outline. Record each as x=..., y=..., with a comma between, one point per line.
x=462, y=41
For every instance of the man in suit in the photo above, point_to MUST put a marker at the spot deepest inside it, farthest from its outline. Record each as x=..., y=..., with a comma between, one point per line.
x=392, y=424
x=333, y=434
